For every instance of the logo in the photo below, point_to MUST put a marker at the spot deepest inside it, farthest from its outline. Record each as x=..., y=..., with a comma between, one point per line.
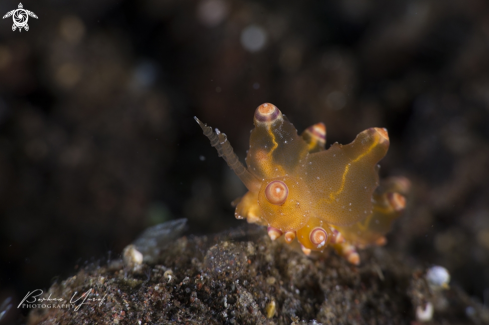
x=20, y=17
x=35, y=299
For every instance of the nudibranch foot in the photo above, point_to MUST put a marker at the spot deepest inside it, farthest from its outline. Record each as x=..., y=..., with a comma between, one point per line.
x=302, y=191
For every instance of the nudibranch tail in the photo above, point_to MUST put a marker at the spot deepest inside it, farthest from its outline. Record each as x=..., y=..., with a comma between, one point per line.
x=220, y=142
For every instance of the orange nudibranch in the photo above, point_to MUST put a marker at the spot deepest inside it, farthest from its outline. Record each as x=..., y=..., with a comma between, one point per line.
x=321, y=197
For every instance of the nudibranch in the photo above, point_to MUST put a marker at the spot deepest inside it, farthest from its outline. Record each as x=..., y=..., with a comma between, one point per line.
x=302, y=191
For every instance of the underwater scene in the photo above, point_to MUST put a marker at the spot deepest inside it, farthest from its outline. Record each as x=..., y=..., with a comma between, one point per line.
x=244, y=162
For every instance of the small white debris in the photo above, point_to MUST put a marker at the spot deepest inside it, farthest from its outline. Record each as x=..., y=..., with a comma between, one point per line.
x=168, y=275
x=270, y=309
x=425, y=314
x=132, y=257
x=438, y=277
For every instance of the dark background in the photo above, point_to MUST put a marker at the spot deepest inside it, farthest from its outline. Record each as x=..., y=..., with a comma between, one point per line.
x=98, y=141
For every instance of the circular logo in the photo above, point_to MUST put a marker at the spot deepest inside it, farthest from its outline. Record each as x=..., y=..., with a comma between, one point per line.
x=20, y=18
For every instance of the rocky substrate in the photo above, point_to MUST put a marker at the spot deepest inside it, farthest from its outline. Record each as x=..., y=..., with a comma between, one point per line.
x=242, y=277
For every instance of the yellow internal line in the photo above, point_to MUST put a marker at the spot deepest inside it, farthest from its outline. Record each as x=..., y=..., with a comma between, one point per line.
x=275, y=144
x=347, y=168
x=364, y=225
x=312, y=144
x=382, y=210
x=270, y=164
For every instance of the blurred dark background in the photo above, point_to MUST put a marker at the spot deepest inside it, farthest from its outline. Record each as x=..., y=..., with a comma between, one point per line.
x=98, y=141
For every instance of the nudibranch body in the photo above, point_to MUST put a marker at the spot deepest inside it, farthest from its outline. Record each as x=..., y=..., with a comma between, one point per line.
x=321, y=197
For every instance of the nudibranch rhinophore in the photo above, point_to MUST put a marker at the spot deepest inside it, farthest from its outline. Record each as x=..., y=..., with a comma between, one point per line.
x=321, y=197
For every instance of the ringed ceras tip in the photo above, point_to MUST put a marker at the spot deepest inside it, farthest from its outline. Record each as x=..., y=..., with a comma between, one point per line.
x=397, y=201
x=273, y=233
x=318, y=236
x=267, y=113
x=318, y=131
x=277, y=192
x=381, y=132
x=289, y=236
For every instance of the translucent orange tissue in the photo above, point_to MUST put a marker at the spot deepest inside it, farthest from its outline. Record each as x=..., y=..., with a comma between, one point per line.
x=321, y=197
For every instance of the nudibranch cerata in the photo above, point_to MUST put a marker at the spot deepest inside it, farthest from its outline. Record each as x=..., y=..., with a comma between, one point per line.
x=321, y=197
